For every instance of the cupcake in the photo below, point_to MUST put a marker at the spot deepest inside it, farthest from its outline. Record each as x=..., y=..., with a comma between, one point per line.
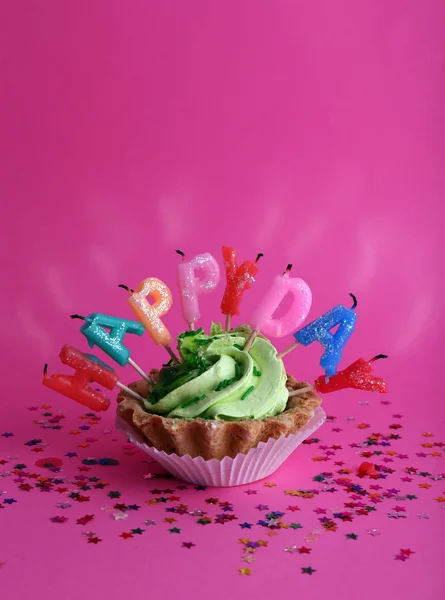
x=220, y=402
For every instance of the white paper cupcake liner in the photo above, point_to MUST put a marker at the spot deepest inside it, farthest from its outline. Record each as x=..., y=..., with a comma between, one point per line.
x=258, y=463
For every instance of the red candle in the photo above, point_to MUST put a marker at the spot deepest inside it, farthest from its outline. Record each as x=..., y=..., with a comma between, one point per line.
x=76, y=386
x=238, y=280
x=358, y=376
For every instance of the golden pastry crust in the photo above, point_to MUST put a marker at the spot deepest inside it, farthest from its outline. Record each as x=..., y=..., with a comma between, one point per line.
x=212, y=438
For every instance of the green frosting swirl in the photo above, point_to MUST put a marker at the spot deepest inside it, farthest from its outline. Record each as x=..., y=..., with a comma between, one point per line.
x=219, y=380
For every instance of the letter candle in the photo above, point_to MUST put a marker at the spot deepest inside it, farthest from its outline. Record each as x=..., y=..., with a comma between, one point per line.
x=87, y=368
x=150, y=314
x=239, y=279
x=262, y=317
x=94, y=329
x=191, y=286
x=358, y=376
x=319, y=330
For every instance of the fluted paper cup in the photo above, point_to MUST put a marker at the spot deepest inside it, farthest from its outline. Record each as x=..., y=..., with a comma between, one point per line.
x=257, y=464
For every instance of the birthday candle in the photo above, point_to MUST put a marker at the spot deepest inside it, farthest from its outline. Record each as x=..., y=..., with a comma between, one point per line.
x=191, y=285
x=76, y=386
x=319, y=331
x=94, y=329
x=262, y=317
x=239, y=279
x=358, y=376
x=88, y=368
x=150, y=314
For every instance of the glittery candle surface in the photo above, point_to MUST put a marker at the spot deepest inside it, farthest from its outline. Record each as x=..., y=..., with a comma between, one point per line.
x=359, y=376
x=319, y=331
x=238, y=279
x=150, y=314
x=262, y=317
x=95, y=330
x=198, y=276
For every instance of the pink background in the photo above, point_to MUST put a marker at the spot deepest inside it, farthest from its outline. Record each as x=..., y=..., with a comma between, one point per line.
x=310, y=131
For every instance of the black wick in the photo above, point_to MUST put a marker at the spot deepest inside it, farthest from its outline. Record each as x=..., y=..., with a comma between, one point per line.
x=355, y=301
x=288, y=268
x=259, y=256
x=77, y=317
x=180, y=252
x=378, y=356
x=45, y=368
x=125, y=287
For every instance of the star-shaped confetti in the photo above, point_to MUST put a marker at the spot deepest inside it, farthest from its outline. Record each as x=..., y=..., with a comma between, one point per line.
x=188, y=545
x=308, y=570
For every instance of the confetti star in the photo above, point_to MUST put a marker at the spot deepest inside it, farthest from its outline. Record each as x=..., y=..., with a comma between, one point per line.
x=248, y=558
x=293, y=508
x=269, y=484
x=320, y=511
x=351, y=536
x=406, y=552
x=440, y=499
x=411, y=497
x=58, y=519
x=125, y=535
x=244, y=571
x=308, y=570
x=296, y=526
x=424, y=485
x=85, y=519
x=188, y=545
x=401, y=557
x=250, y=492
x=94, y=540
x=9, y=500
x=138, y=531
x=262, y=507
x=423, y=515
x=7, y=434
x=212, y=500
x=120, y=516
x=71, y=454
x=149, y=522
x=304, y=550
x=245, y=525
x=373, y=532
x=174, y=530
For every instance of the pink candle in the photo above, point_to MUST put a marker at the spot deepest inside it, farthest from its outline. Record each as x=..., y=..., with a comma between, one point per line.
x=191, y=285
x=262, y=318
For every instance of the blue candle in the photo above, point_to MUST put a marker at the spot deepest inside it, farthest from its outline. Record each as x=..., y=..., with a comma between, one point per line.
x=95, y=330
x=319, y=331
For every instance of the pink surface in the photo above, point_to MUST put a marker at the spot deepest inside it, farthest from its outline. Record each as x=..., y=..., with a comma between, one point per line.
x=311, y=132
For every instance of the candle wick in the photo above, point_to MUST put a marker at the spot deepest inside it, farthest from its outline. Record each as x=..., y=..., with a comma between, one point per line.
x=288, y=268
x=181, y=253
x=45, y=368
x=77, y=317
x=259, y=256
x=125, y=287
x=355, y=301
x=378, y=356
